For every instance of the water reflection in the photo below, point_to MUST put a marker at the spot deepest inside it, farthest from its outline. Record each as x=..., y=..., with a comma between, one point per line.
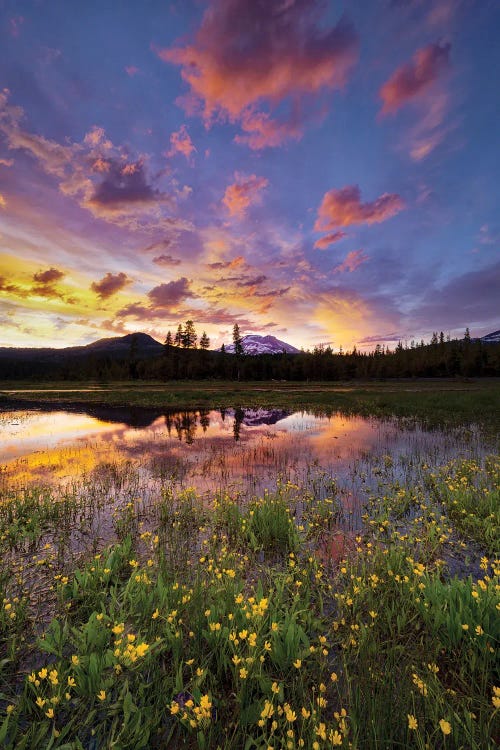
x=244, y=449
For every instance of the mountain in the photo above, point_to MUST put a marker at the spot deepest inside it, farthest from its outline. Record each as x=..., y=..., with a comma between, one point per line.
x=491, y=338
x=119, y=347
x=255, y=344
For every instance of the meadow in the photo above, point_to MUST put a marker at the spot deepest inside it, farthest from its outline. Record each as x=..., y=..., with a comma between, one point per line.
x=145, y=613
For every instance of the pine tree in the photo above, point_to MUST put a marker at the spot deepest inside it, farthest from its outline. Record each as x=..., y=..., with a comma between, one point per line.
x=168, y=341
x=178, y=336
x=204, y=341
x=237, y=341
x=189, y=337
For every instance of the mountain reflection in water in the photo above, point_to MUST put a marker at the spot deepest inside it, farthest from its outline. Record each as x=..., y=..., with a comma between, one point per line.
x=243, y=449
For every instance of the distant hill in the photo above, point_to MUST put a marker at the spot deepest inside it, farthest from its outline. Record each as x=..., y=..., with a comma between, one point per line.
x=255, y=344
x=139, y=344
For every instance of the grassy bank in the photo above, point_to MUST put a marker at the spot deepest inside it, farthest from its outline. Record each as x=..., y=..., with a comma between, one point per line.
x=434, y=401
x=217, y=623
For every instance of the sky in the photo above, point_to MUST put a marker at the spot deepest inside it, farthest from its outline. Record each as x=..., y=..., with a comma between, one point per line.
x=325, y=172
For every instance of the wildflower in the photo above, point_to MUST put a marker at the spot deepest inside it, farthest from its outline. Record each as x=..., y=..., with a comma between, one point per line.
x=289, y=713
x=305, y=713
x=267, y=711
x=71, y=682
x=174, y=707
x=75, y=660
x=50, y=713
x=479, y=630
x=335, y=738
x=243, y=673
x=445, y=726
x=141, y=649
x=275, y=688
x=297, y=663
x=10, y=708
x=321, y=731
x=412, y=722
x=465, y=626
x=333, y=677
x=101, y=695
x=155, y=614
x=40, y=702
x=53, y=677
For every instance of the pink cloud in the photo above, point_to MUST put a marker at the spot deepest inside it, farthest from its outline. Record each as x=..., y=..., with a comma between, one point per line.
x=110, y=284
x=247, y=53
x=414, y=78
x=131, y=70
x=243, y=193
x=342, y=208
x=181, y=143
x=353, y=260
x=329, y=239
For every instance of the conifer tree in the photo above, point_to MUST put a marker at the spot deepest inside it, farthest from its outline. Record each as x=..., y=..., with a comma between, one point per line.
x=178, y=336
x=189, y=337
x=204, y=341
x=237, y=341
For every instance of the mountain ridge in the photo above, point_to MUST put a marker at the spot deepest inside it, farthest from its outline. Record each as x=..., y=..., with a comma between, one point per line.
x=254, y=344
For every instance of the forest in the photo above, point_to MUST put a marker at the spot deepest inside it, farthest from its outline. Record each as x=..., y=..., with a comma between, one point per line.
x=182, y=357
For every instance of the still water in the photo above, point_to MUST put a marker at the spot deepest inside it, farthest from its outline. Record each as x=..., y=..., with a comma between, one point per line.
x=244, y=450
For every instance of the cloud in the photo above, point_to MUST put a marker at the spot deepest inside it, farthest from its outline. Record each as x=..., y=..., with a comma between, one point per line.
x=3, y=202
x=170, y=294
x=99, y=175
x=131, y=70
x=122, y=185
x=414, y=78
x=246, y=191
x=329, y=239
x=181, y=143
x=50, y=276
x=255, y=281
x=166, y=260
x=353, y=260
x=231, y=264
x=246, y=54
x=471, y=298
x=343, y=208
x=110, y=284
x=6, y=162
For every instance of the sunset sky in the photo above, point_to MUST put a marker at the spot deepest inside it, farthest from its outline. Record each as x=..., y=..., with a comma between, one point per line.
x=326, y=172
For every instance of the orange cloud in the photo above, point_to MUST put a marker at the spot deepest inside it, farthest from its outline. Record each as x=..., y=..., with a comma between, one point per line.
x=342, y=208
x=246, y=53
x=415, y=77
x=329, y=239
x=181, y=143
x=3, y=202
x=243, y=193
x=352, y=261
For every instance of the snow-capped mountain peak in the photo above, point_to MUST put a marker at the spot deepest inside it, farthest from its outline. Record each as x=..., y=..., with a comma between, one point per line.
x=255, y=344
x=491, y=338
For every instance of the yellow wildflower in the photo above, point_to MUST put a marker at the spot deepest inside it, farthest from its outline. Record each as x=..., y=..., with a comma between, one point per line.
x=412, y=722
x=445, y=726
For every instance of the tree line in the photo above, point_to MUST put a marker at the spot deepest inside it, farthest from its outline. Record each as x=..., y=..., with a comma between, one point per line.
x=188, y=359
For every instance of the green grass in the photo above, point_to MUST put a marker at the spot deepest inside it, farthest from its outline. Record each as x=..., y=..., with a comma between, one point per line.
x=216, y=624
x=434, y=401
